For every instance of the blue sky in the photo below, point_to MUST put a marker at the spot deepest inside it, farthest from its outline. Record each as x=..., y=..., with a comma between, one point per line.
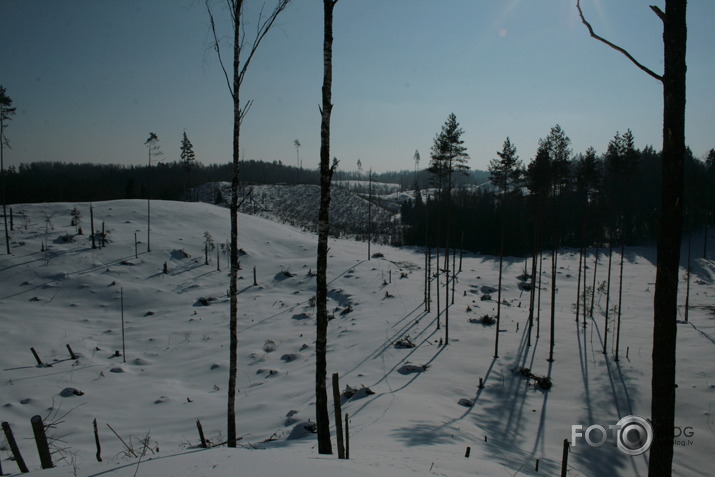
x=91, y=78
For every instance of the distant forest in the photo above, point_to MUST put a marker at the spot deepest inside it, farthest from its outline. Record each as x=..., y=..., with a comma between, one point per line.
x=71, y=182
x=597, y=200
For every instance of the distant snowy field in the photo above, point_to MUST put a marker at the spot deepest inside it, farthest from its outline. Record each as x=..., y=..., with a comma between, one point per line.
x=176, y=365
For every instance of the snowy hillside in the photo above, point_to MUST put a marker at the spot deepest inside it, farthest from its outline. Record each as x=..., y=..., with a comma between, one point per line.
x=426, y=407
x=298, y=205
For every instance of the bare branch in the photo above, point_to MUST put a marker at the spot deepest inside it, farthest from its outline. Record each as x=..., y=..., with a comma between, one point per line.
x=658, y=12
x=616, y=47
x=244, y=111
x=261, y=31
x=217, y=48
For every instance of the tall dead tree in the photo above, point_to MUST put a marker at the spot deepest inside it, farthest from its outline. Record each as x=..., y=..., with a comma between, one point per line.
x=326, y=174
x=665, y=303
x=243, y=52
x=152, y=144
x=6, y=113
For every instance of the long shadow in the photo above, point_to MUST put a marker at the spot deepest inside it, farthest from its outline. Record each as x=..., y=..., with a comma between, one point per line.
x=605, y=460
x=582, y=354
x=48, y=281
x=389, y=340
x=705, y=335
x=539, y=441
x=403, y=359
x=392, y=391
x=502, y=419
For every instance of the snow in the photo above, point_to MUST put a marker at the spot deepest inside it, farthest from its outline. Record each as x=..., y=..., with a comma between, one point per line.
x=419, y=420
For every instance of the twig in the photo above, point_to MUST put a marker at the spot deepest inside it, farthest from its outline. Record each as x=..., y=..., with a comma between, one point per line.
x=129, y=449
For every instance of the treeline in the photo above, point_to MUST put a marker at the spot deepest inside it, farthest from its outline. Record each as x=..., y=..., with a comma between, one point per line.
x=562, y=200
x=409, y=180
x=71, y=182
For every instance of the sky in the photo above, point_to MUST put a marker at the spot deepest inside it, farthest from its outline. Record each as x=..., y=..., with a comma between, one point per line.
x=91, y=78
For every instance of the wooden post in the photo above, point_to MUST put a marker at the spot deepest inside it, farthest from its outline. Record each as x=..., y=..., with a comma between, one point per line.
x=466, y=454
x=166, y=269
x=91, y=221
x=13, y=447
x=37, y=358
x=218, y=264
x=136, y=251
x=201, y=434
x=338, y=413
x=565, y=458
x=537, y=465
x=96, y=441
x=72, y=355
x=481, y=383
x=12, y=227
x=255, y=283
x=38, y=429
x=347, y=437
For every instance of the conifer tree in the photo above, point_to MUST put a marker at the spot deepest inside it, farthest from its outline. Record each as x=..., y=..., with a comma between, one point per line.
x=448, y=158
x=188, y=158
x=505, y=175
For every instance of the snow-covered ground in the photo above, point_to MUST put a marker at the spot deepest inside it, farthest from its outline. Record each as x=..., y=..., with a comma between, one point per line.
x=175, y=369
x=298, y=205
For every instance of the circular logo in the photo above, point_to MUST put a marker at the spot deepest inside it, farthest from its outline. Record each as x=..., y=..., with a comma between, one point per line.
x=634, y=435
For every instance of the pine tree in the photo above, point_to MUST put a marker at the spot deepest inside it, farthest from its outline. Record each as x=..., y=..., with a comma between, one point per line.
x=505, y=174
x=448, y=158
x=448, y=154
x=188, y=158
x=557, y=143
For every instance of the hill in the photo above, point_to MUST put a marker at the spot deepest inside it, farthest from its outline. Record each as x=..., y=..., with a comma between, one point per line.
x=425, y=408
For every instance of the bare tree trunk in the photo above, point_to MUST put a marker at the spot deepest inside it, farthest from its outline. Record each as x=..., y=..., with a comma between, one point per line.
x=669, y=238
x=501, y=264
x=665, y=302
x=554, y=258
x=234, y=87
x=578, y=286
x=233, y=253
x=2, y=172
x=608, y=297
x=593, y=285
x=620, y=300
x=326, y=173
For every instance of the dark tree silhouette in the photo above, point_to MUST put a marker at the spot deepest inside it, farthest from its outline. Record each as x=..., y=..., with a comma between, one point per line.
x=6, y=113
x=152, y=145
x=448, y=158
x=505, y=175
x=326, y=175
x=675, y=34
x=188, y=158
